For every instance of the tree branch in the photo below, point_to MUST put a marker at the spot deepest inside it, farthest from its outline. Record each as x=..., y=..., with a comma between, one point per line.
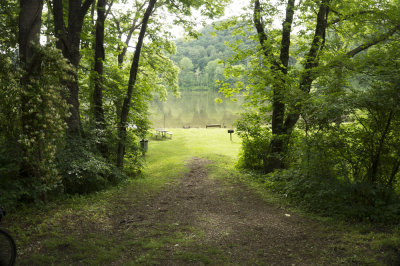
x=85, y=7
x=109, y=9
x=346, y=17
x=286, y=30
x=260, y=27
x=262, y=35
x=312, y=61
x=373, y=42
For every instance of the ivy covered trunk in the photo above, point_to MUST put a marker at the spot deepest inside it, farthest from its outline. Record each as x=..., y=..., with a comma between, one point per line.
x=99, y=57
x=29, y=32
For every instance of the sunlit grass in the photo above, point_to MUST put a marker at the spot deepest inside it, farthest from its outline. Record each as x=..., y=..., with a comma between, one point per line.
x=168, y=157
x=200, y=142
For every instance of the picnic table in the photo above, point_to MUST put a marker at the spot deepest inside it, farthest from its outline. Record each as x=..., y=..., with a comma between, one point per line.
x=163, y=132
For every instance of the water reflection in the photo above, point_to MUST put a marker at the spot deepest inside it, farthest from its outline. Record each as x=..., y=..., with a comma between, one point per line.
x=194, y=109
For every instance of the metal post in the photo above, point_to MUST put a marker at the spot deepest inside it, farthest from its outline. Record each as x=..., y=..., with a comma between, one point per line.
x=230, y=131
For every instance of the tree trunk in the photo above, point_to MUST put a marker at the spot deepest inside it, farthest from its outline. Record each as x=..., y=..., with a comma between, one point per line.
x=131, y=84
x=29, y=35
x=282, y=127
x=30, y=21
x=68, y=42
x=274, y=158
x=99, y=57
x=375, y=160
x=283, y=122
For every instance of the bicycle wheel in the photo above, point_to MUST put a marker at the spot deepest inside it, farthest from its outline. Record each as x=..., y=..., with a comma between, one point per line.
x=8, y=250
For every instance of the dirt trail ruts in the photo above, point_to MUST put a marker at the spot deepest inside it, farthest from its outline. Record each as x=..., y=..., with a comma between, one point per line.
x=221, y=223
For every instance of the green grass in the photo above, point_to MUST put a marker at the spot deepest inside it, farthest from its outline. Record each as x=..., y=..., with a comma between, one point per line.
x=212, y=143
x=43, y=234
x=78, y=230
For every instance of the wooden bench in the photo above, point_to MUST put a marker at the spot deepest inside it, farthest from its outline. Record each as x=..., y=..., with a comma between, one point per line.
x=169, y=133
x=213, y=125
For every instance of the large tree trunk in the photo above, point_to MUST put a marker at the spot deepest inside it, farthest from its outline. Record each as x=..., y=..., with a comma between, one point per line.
x=280, y=138
x=132, y=80
x=98, y=111
x=274, y=157
x=282, y=125
x=69, y=43
x=30, y=21
x=29, y=35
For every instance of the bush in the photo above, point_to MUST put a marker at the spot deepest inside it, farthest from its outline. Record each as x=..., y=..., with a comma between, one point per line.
x=361, y=201
x=255, y=141
x=84, y=171
x=11, y=189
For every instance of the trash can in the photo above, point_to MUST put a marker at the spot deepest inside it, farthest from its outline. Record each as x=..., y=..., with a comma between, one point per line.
x=144, y=145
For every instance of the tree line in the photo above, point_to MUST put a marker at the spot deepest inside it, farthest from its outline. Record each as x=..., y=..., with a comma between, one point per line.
x=76, y=77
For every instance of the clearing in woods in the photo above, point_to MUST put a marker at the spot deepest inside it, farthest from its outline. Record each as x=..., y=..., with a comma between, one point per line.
x=191, y=208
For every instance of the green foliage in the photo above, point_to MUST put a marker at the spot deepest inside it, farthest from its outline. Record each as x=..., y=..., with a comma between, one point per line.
x=11, y=190
x=342, y=131
x=201, y=59
x=46, y=110
x=8, y=20
x=33, y=142
x=327, y=196
x=255, y=140
x=84, y=171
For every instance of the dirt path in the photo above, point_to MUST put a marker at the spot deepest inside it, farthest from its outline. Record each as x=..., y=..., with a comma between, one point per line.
x=201, y=220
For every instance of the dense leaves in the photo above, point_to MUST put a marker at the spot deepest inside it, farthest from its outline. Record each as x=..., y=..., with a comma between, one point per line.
x=323, y=102
x=64, y=105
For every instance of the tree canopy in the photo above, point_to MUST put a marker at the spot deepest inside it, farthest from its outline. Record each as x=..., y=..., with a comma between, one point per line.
x=74, y=75
x=318, y=111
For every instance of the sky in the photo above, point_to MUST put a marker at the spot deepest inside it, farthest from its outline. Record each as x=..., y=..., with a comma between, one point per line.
x=235, y=8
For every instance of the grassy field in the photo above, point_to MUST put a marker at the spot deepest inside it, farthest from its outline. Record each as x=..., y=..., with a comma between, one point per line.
x=79, y=230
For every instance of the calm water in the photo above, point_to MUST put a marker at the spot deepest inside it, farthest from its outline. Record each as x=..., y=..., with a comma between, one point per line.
x=194, y=109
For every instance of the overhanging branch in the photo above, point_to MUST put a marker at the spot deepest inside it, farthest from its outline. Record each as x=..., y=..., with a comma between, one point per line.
x=373, y=42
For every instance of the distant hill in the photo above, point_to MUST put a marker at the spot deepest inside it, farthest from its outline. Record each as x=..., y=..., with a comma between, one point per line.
x=199, y=59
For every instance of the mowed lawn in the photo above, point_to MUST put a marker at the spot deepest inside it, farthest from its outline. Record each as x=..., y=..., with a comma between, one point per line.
x=210, y=143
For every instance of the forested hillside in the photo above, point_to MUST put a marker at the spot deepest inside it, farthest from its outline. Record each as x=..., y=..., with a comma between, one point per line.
x=201, y=60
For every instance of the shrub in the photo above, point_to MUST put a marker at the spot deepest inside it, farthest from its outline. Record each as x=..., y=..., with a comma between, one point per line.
x=84, y=171
x=255, y=141
x=361, y=201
